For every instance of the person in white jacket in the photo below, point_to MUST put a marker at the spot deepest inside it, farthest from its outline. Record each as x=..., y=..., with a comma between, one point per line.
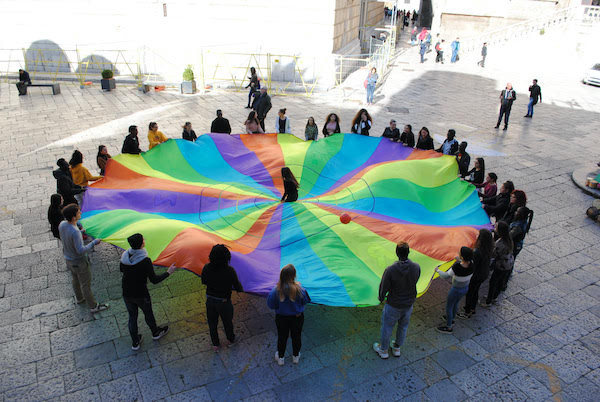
x=282, y=123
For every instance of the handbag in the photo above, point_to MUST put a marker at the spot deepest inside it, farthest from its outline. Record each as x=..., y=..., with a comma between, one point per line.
x=366, y=82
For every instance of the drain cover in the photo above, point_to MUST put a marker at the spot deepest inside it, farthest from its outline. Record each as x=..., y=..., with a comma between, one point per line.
x=401, y=110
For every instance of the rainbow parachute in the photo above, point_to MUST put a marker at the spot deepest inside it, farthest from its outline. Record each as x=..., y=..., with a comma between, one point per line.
x=185, y=197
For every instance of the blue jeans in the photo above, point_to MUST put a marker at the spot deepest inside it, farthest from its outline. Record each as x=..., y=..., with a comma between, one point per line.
x=530, y=107
x=454, y=296
x=389, y=317
x=370, y=93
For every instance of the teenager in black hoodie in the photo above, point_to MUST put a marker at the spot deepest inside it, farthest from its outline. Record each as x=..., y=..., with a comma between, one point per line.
x=137, y=268
x=64, y=183
x=220, y=278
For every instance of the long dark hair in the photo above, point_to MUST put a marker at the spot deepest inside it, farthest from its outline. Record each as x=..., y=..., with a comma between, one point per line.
x=481, y=164
x=426, y=130
x=76, y=158
x=485, y=243
x=287, y=175
x=503, y=231
x=308, y=122
x=337, y=118
x=56, y=201
x=358, y=116
x=252, y=117
x=100, y=155
x=219, y=255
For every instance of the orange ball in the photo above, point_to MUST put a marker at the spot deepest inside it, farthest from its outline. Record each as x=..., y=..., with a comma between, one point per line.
x=345, y=218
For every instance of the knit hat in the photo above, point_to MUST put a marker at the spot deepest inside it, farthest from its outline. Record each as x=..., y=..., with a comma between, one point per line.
x=135, y=241
x=466, y=253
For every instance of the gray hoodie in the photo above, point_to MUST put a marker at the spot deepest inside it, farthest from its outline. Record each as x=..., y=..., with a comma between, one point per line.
x=399, y=283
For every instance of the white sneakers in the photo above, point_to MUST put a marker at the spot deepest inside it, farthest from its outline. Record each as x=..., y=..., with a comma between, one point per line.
x=280, y=360
x=382, y=353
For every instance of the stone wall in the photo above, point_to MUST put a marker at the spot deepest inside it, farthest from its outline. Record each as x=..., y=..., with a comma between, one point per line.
x=346, y=23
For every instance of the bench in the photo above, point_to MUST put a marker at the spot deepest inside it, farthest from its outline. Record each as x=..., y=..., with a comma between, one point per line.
x=55, y=88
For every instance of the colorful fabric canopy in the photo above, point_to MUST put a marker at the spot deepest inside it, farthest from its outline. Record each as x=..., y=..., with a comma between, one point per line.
x=185, y=197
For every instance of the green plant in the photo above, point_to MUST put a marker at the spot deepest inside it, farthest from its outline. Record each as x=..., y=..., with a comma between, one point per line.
x=542, y=31
x=188, y=73
x=107, y=74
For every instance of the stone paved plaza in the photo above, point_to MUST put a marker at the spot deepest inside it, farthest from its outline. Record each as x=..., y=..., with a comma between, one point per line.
x=541, y=342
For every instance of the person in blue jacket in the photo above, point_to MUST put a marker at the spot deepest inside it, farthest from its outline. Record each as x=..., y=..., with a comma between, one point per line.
x=288, y=299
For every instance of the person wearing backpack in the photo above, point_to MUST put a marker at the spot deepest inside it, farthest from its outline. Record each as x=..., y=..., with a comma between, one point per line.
x=502, y=263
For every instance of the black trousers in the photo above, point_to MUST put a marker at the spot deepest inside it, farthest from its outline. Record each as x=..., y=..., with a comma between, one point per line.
x=504, y=111
x=22, y=87
x=286, y=325
x=497, y=281
x=262, y=122
x=472, y=296
x=145, y=304
x=215, y=309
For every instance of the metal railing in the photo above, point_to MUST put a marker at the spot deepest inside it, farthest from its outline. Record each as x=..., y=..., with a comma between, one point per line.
x=499, y=36
x=56, y=64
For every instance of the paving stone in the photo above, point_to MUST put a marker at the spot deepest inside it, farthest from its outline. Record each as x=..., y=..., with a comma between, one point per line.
x=453, y=360
x=377, y=389
x=86, y=378
x=124, y=388
x=493, y=340
x=129, y=365
x=164, y=354
x=153, y=384
x=503, y=390
x=488, y=372
x=95, y=355
x=321, y=384
x=194, y=371
x=468, y=383
x=428, y=371
x=48, y=309
x=50, y=388
x=534, y=390
x=405, y=380
x=17, y=377
x=198, y=394
x=445, y=390
x=228, y=389
x=91, y=394
x=25, y=350
x=55, y=366
x=84, y=335
x=260, y=379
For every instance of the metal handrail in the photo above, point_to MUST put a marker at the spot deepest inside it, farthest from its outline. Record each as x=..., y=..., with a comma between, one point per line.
x=531, y=26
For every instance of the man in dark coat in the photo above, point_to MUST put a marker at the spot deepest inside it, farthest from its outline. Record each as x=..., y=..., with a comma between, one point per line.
x=507, y=97
x=262, y=105
x=24, y=80
x=220, y=124
x=131, y=145
x=64, y=183
x=535, y=93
